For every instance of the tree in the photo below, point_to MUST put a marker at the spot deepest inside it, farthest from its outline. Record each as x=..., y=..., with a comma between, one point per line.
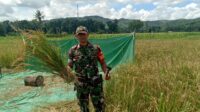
x=2, y=30
x=23, y=25
x=135, y=25
x=39, y=16
x=113, y=26
x=100, y=27
x=8, y=29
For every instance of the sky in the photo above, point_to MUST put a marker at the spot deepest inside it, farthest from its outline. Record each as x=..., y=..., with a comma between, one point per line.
x=114, y=9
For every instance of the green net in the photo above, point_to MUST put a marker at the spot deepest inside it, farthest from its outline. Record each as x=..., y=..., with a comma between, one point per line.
x=116, y=50
x=15, y=97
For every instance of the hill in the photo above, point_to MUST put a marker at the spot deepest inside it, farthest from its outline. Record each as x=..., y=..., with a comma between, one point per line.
x=97, y=24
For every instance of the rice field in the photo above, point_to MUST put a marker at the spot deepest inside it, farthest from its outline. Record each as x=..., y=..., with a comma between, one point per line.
x=164, y=78
x=11, y=49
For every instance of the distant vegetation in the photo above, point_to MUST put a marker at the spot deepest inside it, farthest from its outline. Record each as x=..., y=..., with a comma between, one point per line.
x=96, y=24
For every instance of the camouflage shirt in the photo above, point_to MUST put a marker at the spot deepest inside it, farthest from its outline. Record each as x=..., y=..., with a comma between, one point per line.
x=85, y=59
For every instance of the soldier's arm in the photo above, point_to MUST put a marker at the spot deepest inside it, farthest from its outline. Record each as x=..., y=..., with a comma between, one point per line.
x=101, y=59
x=103, y=63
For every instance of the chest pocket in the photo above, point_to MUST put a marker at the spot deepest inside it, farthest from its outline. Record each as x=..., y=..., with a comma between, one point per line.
x=85, y=57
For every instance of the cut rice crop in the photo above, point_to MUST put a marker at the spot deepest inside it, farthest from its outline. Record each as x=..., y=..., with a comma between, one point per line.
x=49, y=55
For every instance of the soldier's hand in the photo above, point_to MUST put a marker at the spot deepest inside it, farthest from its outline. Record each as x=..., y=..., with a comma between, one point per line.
x=107, y=77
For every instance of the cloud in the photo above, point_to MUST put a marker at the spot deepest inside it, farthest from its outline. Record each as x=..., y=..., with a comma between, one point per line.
x=5, y=10
x=33, y=3
x=163, y=9
x=190, y=11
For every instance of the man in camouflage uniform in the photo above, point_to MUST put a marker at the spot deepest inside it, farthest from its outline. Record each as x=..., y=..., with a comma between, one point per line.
x=85, y=57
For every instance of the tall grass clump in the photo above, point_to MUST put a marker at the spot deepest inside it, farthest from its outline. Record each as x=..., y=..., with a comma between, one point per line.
x=164, y=78
x=48, y=54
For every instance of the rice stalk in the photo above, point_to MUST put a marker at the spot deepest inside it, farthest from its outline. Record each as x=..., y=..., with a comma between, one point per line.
x=49, y=55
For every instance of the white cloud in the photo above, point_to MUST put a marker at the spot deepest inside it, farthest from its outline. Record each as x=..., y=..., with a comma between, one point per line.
x=10, y=2
x=33, y=3
x=164, y=9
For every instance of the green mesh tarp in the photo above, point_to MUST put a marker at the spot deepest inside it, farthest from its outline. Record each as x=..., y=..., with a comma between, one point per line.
x=15, y=97
x=116, y=50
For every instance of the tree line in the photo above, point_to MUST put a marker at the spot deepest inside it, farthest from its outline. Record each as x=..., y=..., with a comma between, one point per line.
x=96, y=24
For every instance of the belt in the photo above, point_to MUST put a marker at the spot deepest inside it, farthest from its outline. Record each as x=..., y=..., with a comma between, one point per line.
x=93, y=79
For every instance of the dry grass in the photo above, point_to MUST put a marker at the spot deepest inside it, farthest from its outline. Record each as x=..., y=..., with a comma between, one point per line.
x=165, y=78
x=10, y=49
x=50, y=56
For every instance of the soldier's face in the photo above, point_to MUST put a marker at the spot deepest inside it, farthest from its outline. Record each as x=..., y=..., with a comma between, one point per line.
x=82, y=37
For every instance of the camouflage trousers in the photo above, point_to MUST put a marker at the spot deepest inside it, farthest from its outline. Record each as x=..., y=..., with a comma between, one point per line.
x=95, y=91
